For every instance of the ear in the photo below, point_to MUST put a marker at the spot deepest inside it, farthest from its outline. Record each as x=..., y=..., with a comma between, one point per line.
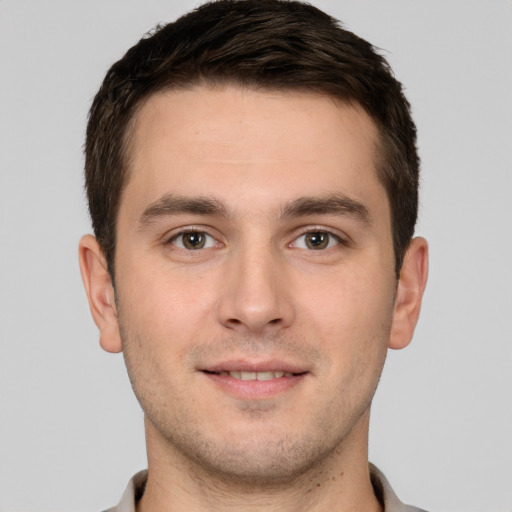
x=413, y=279
x=100, y=292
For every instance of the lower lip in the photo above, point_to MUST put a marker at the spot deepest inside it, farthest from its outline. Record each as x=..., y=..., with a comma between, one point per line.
x=255, y=389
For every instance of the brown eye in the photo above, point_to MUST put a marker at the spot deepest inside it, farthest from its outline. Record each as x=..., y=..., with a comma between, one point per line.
x=316, y=241
x=193, y=240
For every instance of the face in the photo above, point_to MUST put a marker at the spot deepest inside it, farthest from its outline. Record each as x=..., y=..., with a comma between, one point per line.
x=254, y=277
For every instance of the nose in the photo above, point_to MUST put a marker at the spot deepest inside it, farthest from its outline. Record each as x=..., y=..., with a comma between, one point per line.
x=255, y=296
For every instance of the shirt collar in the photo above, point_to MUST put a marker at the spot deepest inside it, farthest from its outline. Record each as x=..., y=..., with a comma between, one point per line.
x=385, y=494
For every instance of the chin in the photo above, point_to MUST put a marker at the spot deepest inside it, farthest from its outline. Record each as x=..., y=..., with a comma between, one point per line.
x=261, y=457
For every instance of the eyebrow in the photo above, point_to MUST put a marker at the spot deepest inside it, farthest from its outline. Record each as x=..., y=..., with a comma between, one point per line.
x=175, y=204
x=335, y=204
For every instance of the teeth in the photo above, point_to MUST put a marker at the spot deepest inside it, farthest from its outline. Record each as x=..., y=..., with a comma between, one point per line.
x=257, y=375
x=265, y=375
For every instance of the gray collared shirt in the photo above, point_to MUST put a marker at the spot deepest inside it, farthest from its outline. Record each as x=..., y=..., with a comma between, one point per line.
x=383, y=491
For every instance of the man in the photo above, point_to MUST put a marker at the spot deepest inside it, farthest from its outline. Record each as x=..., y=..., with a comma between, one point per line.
x=252, y=179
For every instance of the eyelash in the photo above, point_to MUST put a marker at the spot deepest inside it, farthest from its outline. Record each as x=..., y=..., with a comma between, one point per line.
x=317, y=231
x=313, y=231
x=189, y=231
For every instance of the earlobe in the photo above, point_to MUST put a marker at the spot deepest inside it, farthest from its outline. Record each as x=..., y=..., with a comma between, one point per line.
x=100, y=292
x=413, y=279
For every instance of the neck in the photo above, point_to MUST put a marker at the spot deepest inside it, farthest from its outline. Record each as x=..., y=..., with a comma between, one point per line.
x=340, y=481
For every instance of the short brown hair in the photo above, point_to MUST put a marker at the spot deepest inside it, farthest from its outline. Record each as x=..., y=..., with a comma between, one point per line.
x=269, y=44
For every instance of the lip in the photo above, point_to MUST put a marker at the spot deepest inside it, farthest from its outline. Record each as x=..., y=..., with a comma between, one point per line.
x=255, y=389
x=269, y=365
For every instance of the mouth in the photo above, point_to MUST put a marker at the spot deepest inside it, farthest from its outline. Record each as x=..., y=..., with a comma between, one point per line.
x=248, y=375
x=255, y=381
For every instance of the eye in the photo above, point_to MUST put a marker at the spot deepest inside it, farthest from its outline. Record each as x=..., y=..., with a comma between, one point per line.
x=316, y=241
x=193, y=240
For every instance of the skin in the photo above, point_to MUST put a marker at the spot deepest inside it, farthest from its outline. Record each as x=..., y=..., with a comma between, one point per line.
x=258, y=292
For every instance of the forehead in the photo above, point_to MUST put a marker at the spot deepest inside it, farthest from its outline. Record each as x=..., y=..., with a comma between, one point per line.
x=241, y=144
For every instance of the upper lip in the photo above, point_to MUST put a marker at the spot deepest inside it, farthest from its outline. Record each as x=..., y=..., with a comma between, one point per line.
x=269, y=365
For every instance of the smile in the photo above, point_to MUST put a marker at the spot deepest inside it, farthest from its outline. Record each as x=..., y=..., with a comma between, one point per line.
x=256, y=380
x=243, y=375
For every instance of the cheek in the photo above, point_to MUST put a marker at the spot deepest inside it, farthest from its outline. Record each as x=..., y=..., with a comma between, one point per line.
x=352, y=318
x=161, y=316
x=160, y=295
x=159, y=323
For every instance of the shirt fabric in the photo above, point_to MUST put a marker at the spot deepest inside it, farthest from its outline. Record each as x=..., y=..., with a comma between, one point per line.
x=383, y=491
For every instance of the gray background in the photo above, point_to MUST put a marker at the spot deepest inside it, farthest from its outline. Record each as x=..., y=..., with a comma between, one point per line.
x=71, y=433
